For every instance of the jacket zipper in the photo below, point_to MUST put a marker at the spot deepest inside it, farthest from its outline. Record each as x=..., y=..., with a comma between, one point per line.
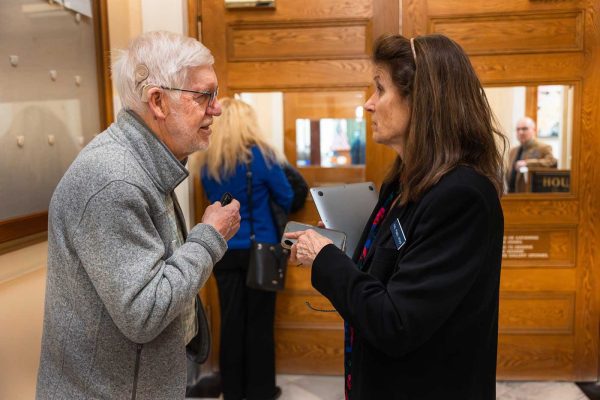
x=137, y=370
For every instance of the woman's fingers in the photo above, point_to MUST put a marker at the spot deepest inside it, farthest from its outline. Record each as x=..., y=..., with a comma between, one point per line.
x=293, y=235
x=294, y=254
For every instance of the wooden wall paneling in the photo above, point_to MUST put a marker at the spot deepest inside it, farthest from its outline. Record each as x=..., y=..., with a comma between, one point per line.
x=309, y=351
x=304, y=10
x=193, y=16
x=318, y=176
x=588, y=250
x=517, y=42
x=15, y=228
x=275, y=50
x=523, y=210
x=453, y=7
x=540, y=69
x=538, y=280
x=387, y=19
x=213, y=15
x=531, y=102
x=292, y=307
x=288, y=75
x=104, y=81
x=299, y=40
x=414, y=17
x=529, y=33
x=551, y=313
x=536, y=357
x=325, y=103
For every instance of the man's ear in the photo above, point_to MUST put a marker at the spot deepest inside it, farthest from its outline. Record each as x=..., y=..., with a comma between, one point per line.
x=156, y=101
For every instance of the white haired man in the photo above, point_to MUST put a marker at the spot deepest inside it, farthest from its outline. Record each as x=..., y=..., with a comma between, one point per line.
x=530, y=154
x=123, y=273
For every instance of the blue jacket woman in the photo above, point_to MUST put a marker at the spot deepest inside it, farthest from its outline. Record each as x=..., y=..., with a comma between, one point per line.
x=247, y=355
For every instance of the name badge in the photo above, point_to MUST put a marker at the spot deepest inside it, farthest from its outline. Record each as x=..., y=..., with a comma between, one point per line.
x=398, y=234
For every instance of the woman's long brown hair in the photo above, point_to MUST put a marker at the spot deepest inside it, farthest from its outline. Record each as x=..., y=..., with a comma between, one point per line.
x=451, y=121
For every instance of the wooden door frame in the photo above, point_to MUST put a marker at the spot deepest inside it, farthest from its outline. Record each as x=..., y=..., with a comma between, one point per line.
x=580, y=207
x=385, y=20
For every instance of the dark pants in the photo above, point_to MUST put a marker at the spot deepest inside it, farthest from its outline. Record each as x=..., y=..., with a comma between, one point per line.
x=247, y=355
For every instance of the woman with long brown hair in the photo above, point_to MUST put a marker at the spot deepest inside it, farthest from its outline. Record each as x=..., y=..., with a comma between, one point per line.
x=420, y=296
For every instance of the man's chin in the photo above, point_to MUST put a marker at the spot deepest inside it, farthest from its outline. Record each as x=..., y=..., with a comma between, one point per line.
x=203, y=146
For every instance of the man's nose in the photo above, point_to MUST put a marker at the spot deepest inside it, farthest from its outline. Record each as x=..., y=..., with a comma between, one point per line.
x=214, y=109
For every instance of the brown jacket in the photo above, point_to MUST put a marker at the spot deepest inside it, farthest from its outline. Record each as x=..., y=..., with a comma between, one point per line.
x=536, y=154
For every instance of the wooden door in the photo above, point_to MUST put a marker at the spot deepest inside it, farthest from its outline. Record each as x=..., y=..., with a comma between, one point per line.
x=548, y=307
x=317, y=53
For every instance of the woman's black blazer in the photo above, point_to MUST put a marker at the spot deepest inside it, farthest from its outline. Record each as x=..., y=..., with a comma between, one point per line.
x=425, y=315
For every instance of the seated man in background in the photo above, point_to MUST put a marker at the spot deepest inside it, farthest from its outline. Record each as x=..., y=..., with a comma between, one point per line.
x=123, y=273
x=529, y=154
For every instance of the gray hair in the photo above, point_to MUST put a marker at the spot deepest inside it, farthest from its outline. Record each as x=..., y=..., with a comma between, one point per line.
x=157, y=58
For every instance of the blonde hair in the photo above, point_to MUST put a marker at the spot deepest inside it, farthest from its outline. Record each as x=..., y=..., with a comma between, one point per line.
x=233, y=135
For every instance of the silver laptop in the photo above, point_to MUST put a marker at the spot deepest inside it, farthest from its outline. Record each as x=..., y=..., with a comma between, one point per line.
x=346, y=208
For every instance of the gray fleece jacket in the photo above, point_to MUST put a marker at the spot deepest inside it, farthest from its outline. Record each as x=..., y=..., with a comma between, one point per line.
x=116, y=286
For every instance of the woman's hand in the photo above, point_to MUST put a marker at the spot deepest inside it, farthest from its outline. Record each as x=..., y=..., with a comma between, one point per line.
x=309, y=244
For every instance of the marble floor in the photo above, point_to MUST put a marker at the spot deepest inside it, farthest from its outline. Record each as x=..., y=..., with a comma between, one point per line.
x=311, y=387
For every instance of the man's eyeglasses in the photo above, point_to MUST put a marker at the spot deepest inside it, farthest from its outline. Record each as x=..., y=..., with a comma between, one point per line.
x=211, y=96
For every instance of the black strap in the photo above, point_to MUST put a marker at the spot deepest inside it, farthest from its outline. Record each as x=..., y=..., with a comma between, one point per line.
x=249, y=192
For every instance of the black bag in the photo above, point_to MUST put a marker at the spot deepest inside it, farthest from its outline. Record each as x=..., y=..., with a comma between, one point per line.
x=268, y=265
x=198, y=348
x=268, y=262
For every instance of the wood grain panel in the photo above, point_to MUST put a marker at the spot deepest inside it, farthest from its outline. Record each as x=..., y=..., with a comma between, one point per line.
x=318, y=176
x=514, y=33
x=20, y=227
x=306, y=351
x=298, y=280
x=569, y=58
x=453, y=7
x=273, y=75
x=324, y=104
x=292, y=310
x=294, y=41
x=524, y=68
x=303, y=10
x=535, y=357
x=536, y=313
x=538, y=279
x=526, y=247
x=538, y=212
x=588, y=251
x=307, y=214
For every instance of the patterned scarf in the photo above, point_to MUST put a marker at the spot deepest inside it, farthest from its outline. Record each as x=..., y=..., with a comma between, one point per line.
x=348, y=329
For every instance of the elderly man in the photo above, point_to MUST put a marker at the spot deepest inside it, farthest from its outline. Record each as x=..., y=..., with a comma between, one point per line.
x=529, y=154
x=123, y=273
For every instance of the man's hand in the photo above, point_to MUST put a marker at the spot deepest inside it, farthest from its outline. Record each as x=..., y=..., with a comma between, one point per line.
x=520, y=163
x=226, y=220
